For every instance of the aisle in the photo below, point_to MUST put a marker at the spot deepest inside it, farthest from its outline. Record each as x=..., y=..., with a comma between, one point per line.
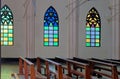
x=7, y=69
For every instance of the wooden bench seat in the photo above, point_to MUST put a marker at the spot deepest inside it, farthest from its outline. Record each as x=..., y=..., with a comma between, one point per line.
x=39, y=76
x=57, y=72
x=27, y=69
x=71, y=70
x=97, y=66
x=117, y=63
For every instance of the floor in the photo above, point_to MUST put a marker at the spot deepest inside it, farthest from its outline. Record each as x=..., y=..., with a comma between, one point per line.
x=7, y=69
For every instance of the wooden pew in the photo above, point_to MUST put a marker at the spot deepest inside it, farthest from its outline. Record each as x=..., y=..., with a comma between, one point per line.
x=106, y=60
x=58, y=74
x=71, y=70
x=27, y=68
x=117, y=63
x=103, y=66
x=63, y=62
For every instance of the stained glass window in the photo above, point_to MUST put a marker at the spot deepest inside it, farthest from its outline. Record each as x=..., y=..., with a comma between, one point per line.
x=6, y=26
x=51, y=27
x=93, y=28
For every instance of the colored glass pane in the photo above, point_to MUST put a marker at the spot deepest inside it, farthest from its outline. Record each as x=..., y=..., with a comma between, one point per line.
x=6, y=26
x=93, y=29
x=51, y=27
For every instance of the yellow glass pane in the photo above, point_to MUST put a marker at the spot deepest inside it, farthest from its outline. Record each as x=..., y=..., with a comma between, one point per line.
x=1, y=27
x=97, y=25
x=1, y=34
x=88, y=25
x=97, y=16
x=5, y=23
x=87, y=40
x=97, y=40
x=5, y=31
x=55, y=40
x=1, y=43
x=45, y=39
x=88, y=16
x=5, y=39
x=90, y=19
x=10, y=27
x=10, y=35
x=10, y=43
x=95, y=19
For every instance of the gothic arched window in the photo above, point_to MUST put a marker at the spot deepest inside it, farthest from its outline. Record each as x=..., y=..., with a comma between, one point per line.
x=6, y=26
x=51, y=27
x=93, y=29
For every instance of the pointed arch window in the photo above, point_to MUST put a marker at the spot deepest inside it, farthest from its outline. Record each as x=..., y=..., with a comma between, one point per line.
x=51, y=27
x=93, y=29
x=6, y=26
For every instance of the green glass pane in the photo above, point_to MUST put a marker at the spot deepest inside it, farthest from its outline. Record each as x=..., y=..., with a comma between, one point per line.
x=87, y=36
x=97, y=44
x=55, y=43
x=45, y=28
x=46, y=43
x=5, y=27
x=55, y=28
x=57, y=21
x=5, y=43
x=45, y=35
x=5, y=18
x=51, y=24
x=97, y=29
x=97, y=36
x=10, y=23
x=5, y=35
x=10, y=13
x=87, y=28
x=10, y=31
x=55, y=36
x=87, y=44
x=10, y=39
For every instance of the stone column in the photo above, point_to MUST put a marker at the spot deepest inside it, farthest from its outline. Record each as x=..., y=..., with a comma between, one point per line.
x=30, y=29
x=72, y=17
x=116, y=29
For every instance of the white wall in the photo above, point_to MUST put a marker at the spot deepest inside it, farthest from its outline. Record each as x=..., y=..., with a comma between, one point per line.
x=22, y=43
x=66, y=43
x=60, y=7
x=105, y=51
x=19, y=47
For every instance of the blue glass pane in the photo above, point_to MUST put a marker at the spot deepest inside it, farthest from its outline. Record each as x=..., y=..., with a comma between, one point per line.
x=92, y=29
x=87, y=32
x=97, y=32
x=93, y=40
x=50, y=32
x=45, y=24
x=55, y=32
x=45, y=32
x=93, y=33
x=92, y=36
x=92, y=44
x=51, y=39
x=50, y=43
x=50, y=28
x=50, y=36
